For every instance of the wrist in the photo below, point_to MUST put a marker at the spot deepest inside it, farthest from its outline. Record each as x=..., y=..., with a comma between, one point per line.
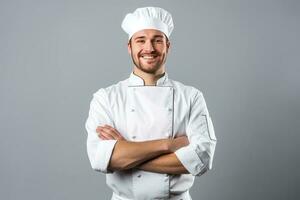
x=166, y=145
x=170, y=145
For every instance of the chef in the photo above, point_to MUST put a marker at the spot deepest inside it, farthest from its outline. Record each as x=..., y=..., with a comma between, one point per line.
x=149, y=134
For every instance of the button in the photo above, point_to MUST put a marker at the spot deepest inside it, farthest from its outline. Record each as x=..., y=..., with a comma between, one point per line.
x=139, y=176
x=132, y=110
x=170, y=109
x=133, y=137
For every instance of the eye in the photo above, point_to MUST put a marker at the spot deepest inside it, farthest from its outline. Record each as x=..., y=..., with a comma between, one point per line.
x=140, y=41
x=158, y=40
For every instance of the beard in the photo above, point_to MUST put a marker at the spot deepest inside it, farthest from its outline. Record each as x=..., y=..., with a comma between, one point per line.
x=150, y=70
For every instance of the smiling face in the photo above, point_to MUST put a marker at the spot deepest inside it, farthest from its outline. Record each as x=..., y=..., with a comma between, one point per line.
x=148, y=49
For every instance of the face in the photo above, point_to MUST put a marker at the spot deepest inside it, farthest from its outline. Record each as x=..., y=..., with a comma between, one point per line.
x=148, y=49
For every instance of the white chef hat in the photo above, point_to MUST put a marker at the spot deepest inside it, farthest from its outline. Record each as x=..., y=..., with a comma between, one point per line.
x=148, y=18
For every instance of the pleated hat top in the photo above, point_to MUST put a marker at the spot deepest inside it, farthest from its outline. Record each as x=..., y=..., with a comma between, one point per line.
x=148, y=18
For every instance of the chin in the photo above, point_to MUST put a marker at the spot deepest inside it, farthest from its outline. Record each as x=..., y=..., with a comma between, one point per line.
x=152, y=70
x=148, y=69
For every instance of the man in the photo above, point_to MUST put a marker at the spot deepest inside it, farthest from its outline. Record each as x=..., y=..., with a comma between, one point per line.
x=149, y=134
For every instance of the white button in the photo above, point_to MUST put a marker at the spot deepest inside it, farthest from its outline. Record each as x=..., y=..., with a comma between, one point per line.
x=133, y=137
x=170, y=109
x=139, y=176
x=132, y=110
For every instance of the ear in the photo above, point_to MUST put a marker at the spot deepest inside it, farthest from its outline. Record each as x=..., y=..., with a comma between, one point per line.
x=129, y=47
x=168, y=45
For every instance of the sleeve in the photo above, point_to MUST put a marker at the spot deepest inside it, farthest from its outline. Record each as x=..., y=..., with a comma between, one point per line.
x=99, y=151
x=197, y=157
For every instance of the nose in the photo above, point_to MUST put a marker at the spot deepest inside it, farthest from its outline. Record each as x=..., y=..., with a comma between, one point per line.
x=148, y=47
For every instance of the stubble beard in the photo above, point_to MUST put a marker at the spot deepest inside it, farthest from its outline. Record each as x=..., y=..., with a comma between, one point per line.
x=152, y=70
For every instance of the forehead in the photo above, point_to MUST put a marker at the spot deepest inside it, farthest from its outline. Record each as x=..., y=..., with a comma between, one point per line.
x=148, y=33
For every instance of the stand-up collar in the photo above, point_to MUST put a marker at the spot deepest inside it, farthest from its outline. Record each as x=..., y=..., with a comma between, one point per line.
x=135, y=80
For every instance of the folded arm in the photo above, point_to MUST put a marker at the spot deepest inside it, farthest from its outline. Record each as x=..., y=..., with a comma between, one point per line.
x=155, y=156
x=166, y=164
x=127, y=155
x=173, y=156
x=108, y=150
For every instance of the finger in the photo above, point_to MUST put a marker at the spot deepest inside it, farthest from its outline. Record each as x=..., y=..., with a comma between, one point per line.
x=110, y=133
x=102, y=137
x=113, y=129
x=98, y=129
x=110, y=129
x=107, y=136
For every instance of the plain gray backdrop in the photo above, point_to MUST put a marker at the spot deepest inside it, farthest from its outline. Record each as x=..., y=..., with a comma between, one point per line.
x=243, y=55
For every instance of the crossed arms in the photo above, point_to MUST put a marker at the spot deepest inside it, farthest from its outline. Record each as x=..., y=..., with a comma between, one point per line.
x=109, y=151
x=154, y=156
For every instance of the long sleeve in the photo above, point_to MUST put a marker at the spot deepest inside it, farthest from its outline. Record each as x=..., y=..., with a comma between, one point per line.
x=197, y=157
x=99, y=151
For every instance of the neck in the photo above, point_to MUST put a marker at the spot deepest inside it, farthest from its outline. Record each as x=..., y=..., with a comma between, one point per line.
x=149, y=78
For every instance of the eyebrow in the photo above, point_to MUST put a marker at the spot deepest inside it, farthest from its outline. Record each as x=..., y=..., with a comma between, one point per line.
x=143, y=37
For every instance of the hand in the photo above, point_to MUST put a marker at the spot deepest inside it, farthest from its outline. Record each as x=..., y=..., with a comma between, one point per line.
x=178, y=142
x=107, y=132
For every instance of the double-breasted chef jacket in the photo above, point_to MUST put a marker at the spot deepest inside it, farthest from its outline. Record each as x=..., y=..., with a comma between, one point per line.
x=141, y=113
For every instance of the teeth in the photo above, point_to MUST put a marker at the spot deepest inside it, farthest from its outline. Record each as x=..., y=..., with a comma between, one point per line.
x=148, y=57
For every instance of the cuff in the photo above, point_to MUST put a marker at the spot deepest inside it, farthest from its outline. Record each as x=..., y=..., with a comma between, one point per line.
x=103, y=154
x=191, y=159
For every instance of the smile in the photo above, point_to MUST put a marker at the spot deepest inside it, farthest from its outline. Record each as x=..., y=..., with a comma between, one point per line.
x=149, y=57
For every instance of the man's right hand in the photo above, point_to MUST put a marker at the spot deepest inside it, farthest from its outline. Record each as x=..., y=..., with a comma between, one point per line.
x=107, y=132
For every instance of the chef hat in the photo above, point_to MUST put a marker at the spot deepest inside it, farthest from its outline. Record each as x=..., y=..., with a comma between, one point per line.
x=148, y=18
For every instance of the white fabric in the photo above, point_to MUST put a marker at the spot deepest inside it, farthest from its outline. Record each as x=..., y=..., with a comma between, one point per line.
x=142, y=113
x=148, y=18
x=183, y=196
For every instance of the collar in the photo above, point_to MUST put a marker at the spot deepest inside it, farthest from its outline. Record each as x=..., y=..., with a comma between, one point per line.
x=135, y=80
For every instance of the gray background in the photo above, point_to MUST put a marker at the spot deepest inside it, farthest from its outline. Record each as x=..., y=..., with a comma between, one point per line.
x=243, y=55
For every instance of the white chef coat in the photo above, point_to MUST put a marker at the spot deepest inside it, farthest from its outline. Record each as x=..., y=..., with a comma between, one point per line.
x=167, y=110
